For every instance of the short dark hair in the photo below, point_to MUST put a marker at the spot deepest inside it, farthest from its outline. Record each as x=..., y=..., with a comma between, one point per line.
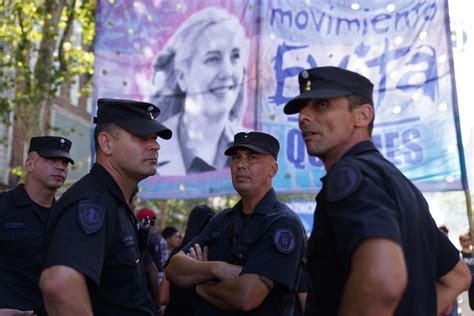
x=444, y=229
x=104, y=127
x=168, y=232
x=356, y=101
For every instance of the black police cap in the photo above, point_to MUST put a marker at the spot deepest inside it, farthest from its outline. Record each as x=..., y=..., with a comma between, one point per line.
x=257, y=141
x=138, y=118
x=329, y=82
x=51, y=147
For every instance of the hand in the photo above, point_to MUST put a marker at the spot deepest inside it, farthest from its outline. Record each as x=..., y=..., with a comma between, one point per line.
x=196, y=252
x=224, y=270
x=14, y=312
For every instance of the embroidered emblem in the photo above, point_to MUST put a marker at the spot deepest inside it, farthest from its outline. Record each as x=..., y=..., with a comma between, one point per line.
x=284, y=241
x=91, y=216
x=308, y=86
x=343, y=180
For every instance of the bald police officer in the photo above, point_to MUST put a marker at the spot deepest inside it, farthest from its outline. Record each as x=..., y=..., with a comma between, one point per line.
x=375, y=249
x=253, y=250
x=24, y=212
x=93, y=262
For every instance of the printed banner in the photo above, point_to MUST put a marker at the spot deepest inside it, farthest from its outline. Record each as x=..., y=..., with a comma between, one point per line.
x=218, y=67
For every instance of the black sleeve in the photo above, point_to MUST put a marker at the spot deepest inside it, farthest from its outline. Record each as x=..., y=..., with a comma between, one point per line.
x=447, y=255
x=70, y=245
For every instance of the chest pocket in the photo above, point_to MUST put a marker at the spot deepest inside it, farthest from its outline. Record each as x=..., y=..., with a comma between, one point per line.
x=17, y=239
x=128, y=253
x=243, y=248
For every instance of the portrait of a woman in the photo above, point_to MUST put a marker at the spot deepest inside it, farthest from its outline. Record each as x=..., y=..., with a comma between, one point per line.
x=199, y=83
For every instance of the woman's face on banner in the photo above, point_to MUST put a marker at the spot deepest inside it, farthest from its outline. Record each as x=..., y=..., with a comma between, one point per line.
x=215, y=75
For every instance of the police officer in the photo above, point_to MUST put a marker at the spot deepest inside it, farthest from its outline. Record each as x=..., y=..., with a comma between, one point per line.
x=375, y=249
x=93, y=262
x=24, y=212
x=253, y=250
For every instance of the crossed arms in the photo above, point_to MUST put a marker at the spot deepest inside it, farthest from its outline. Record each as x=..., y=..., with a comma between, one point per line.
x=218, y=282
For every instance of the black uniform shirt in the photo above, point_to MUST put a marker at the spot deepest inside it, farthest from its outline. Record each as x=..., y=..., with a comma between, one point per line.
x=93, y=231
x=22, y=233
x=269, y=242
x=364, y=196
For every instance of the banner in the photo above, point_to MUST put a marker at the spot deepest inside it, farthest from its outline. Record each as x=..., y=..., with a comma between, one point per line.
x=219, y=67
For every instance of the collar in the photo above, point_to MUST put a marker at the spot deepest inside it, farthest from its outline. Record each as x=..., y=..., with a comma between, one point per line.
x=101, y=173
x=21, y=197
x=264, y=207
x=364, y=146
x=359, y=148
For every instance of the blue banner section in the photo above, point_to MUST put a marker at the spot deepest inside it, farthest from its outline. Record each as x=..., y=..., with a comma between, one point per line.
x=401, y=46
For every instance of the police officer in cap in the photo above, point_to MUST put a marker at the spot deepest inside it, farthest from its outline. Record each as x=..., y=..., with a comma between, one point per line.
x=24, y=212
x=375, y=249
x=93, y=264
x=250, y=253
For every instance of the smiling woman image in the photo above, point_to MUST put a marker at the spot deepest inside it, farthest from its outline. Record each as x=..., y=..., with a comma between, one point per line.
x=199, y=82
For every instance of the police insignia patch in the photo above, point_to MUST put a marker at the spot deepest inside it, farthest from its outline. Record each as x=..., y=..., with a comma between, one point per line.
x=343, y=180
x=91, y=216
x=284, y=241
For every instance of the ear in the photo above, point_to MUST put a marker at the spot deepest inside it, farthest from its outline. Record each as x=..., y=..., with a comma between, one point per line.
x=364, y=114
x=29, y=164
x=274, y=168
x=179, y=74
x=106, y=143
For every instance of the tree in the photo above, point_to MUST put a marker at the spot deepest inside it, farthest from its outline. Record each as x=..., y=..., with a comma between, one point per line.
x=43, y=43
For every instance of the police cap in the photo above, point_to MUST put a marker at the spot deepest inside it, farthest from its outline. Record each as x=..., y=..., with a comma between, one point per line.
x=51, y=147
x=257, y=141
x=329, y=82
x=138, y=118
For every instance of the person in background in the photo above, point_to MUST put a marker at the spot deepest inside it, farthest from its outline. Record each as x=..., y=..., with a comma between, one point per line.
x=157, y=244
x=172, y=237
x=466, y=251
x=151, y=251
x=180, y=301
x=466, y=254
x=24, y=213
x=374, y=249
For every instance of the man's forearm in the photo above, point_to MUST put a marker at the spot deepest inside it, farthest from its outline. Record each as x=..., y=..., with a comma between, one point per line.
x=185, y=271
x=242, y=293
x=212, y=292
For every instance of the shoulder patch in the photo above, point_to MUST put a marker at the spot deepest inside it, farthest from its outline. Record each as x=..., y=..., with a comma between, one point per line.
x=343, y=180
x=284, y=241
x=91, y=216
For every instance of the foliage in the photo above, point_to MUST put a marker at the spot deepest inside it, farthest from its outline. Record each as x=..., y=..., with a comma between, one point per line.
x=43, y=43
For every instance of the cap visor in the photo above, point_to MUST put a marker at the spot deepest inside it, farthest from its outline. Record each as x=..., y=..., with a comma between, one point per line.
x=146, y=127
x=230, y=151
x=295, y=104
x=55, y=154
